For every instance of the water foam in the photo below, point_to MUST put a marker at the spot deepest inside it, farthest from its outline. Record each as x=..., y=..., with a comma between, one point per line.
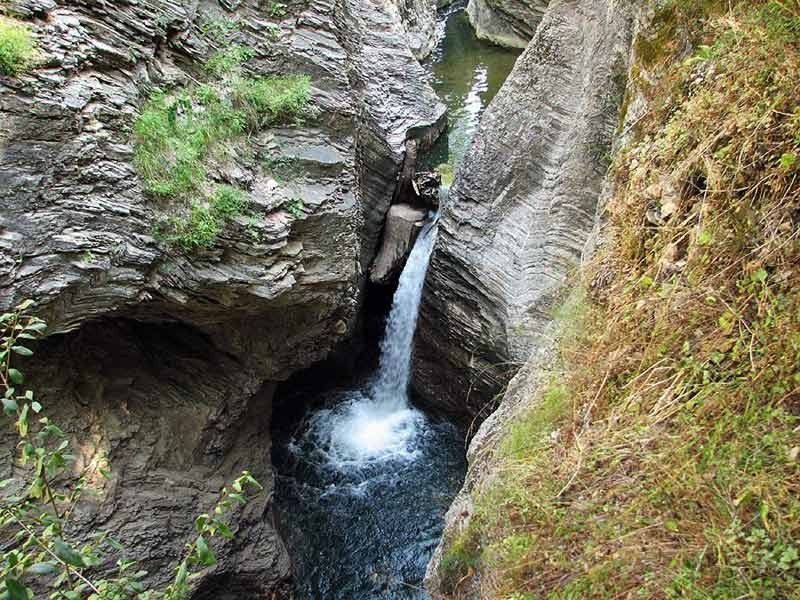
x=376, y=422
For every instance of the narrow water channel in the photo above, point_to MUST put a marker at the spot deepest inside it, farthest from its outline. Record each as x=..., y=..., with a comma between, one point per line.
x=364, y=477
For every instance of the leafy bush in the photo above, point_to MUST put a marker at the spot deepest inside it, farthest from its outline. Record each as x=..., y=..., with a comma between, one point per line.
x=17, y=47
x=36, y=505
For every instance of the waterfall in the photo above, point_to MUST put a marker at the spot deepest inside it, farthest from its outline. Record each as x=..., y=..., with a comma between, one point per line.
x=391, y=383
x=375, y=422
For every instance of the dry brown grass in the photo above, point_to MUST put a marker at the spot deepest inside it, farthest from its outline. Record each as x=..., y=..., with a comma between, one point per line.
x=674, y=472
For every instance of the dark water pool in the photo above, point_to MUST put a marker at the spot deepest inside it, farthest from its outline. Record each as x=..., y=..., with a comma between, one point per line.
x=365, y=530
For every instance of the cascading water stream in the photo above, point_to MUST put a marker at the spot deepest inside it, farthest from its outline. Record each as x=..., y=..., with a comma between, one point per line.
x=376, y=421
x=391, y=384
x=364, y=478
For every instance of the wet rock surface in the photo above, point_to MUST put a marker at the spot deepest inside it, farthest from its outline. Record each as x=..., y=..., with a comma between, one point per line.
x=403, y=224
x=522, y=206
x=277, y=291
x=506, y=22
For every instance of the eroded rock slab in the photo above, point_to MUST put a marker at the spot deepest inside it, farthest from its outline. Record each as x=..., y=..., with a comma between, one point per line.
x=403, y=224
x=522, y=206
x=506, y=22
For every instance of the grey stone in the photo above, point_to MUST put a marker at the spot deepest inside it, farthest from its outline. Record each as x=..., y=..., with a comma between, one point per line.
x=403, y=224
x=166, y=360
x=506, y=22
x=522, y=206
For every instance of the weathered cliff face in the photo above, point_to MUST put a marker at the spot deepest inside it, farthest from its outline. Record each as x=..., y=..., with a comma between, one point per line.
x=506, y=22
x=522, y=205
x=168, y=353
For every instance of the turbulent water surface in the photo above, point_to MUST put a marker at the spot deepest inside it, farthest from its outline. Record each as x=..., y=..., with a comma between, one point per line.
x=364, y=478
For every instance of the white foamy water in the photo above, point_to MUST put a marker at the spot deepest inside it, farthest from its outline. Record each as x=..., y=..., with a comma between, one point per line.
x=377, y=422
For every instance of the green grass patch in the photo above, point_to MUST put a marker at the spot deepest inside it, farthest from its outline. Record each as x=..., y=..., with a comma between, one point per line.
x=175, y=134
x=462, y=556
x=17, y=47
x=180, y=134
x=228, y=60
x=271, y=101
x=204, y=220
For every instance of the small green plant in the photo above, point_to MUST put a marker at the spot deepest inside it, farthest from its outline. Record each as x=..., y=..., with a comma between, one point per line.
x=36, y=505
x=276, y=10
x=17, y=47
x=202, y=224
x=220, y=29
x=294, y=207
x=228, y=60
x=273, y=32
x=273, y=101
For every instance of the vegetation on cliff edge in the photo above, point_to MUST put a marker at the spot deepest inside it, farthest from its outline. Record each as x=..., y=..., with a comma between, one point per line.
x=183, y=134
x=17, y=47
x=663, y=461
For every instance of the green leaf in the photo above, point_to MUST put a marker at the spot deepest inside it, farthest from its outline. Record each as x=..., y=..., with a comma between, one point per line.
x=671, y=526
x=43, y=568
x=67, y=554
x=200, y=522
x=38, y=326
x=204, y=553
x=22, y=422
x=21, y=350
x=224, y=530
x=10, y=406
x=788, y=161
x=15, y=590
x=36, y=407
x=183, y=572
x=16, y=376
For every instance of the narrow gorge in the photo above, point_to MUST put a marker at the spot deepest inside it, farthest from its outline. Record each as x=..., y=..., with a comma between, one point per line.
x=407, y=299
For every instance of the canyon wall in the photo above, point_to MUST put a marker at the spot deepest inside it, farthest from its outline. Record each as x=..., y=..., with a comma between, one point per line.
x=522, y=206
x=162, y=361
x=506, y=22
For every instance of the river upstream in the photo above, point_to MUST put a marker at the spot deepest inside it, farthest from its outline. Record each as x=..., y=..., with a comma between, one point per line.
x=364, y=477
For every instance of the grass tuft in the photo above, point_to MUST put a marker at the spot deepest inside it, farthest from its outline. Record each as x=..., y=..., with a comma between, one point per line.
x=271, y=101
x=17, y=47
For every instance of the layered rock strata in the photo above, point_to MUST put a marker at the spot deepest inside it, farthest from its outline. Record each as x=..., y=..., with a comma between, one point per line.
x=161, y=359
x=522, y=206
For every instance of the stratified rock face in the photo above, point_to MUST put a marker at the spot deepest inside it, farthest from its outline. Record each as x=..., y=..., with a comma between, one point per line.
x=279, y=289
x=522, y=205
x=175, y=420
x=506, y=22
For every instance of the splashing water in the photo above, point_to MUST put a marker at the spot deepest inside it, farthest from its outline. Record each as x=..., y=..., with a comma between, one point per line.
x=391, y=386
x=377, y=423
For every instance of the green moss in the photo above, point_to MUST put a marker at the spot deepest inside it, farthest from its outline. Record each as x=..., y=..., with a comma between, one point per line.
x=462, y=555
x=17, y=47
